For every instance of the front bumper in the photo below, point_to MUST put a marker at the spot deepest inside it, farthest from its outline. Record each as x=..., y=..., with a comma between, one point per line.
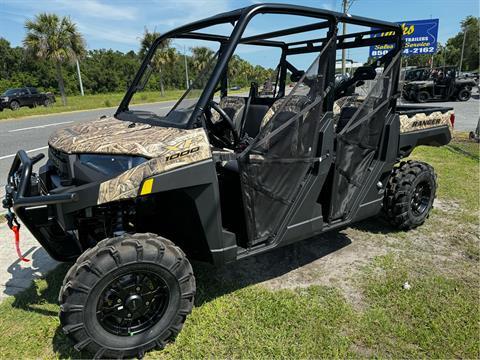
x=40, y=212
x=18, y=191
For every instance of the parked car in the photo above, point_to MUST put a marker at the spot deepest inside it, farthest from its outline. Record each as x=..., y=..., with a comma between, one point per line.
x=28, y=96
x=236, y=87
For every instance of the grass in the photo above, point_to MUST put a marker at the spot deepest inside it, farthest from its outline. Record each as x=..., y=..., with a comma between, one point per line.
x=75, y=103
x=437, y=318
x=88, y=102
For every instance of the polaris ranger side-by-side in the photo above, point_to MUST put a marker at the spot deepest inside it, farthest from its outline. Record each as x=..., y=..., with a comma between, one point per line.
x=133, y=198
x=439, y=84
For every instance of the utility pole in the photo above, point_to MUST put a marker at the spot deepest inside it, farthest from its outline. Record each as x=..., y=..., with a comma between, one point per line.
x=80, y=78
x=186, y=67
x=463, y=48
x=444, y=57
x=344, y=32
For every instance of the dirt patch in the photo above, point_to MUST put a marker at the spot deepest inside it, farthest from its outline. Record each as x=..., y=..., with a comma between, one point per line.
x=335, y=259
x=332, y=259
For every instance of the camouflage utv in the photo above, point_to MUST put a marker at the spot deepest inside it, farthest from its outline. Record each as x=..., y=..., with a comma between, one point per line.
x=133, y=198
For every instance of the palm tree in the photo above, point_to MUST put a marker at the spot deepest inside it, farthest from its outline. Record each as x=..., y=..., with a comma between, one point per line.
x=54, y=39
x=234, y=67
x=164, y=54
x=201, y=57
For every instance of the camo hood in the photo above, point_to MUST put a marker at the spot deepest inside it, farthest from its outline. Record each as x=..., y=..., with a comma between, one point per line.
x=166, y=149
x=112, y=136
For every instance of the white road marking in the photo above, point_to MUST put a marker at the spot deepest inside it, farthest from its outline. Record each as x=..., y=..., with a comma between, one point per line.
x=40, y=126
x=28, y=151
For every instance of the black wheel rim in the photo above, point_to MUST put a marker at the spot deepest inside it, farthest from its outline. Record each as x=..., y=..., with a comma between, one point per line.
x=421, y=198
x=132, y=303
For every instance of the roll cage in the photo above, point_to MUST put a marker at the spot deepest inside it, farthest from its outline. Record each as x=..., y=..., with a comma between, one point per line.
x=329, y=20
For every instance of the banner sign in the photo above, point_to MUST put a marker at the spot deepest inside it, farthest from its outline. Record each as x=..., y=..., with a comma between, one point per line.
x=420, y=38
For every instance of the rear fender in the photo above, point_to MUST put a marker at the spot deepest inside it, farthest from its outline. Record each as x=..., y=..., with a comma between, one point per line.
x=435, y=136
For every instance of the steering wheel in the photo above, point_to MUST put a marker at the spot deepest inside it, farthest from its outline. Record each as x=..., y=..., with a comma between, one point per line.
x=225, y=119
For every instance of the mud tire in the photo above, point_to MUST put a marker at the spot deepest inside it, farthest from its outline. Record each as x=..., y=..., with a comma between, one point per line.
x=400, y=194
x=98, y=267
x=464, y=95
x=422, y=96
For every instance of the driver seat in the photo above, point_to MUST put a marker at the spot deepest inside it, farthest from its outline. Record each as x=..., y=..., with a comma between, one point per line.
x=234, y=107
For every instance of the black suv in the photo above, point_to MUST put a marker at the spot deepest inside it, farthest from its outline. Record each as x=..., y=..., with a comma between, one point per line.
x=27, y=96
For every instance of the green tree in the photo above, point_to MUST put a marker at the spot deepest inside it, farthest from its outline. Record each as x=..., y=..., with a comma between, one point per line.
x=55, y=39
x=164, y=54
x=201, y=57
x=470, y=28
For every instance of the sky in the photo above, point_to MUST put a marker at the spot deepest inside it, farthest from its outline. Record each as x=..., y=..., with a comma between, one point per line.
x=119, y=24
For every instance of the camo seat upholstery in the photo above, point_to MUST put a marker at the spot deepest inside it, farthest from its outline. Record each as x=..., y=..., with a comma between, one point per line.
x=296, y=103
x=234, y=107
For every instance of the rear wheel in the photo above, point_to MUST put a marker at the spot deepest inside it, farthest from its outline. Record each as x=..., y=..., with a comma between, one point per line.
x=47, y=102
x=464, y=95
x=14, y=105
x=409, y=194
x=423, y=96
x=127, y=295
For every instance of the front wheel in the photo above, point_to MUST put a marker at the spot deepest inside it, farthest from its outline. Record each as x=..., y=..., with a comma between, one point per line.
x=409, y=194
x=127, y=295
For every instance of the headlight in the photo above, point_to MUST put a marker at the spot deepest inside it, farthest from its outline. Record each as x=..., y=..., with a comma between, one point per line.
x=6, y=98
x=111, y=164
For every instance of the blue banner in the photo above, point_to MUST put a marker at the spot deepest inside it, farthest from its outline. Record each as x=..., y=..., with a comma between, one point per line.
x=420, y=38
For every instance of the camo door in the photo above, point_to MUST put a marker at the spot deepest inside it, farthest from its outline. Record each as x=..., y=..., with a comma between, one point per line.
x=359, y=140
x=273, y=168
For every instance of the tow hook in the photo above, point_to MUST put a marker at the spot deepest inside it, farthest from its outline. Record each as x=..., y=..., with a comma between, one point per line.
x=14, y=225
